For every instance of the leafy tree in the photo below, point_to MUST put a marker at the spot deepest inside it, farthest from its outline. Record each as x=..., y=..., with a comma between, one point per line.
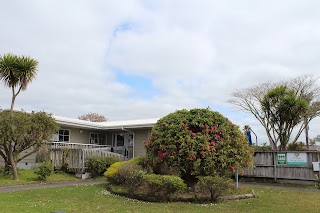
x=94, y=117
x=17, y=72
x=304, y=88
x=197, y=142
x=283, y=110
x=21, y=131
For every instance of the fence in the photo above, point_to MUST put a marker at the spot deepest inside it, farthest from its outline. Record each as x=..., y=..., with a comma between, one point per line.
x=74, y=156
x=268, y=164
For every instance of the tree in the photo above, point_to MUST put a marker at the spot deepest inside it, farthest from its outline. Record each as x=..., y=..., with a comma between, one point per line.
x=17, y=72
x=304, y=87
x=94, y=117
x=21, y=131
x=283, y=110
x=198, y=142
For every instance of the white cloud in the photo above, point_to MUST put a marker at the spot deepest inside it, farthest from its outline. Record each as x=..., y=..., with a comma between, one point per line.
x=195, y=52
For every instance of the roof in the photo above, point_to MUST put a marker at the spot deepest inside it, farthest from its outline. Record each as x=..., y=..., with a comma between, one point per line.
x=106, y=125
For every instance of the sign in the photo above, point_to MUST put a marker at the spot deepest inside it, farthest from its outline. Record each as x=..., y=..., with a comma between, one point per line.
x=297, y=159
x=281, y=158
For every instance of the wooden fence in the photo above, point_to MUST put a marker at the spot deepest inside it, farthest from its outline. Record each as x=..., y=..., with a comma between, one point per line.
x=74, y=158
x=266, y=166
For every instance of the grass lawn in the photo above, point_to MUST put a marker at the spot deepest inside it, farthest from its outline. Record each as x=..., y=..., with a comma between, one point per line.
x=27, y=176
x=94, y=198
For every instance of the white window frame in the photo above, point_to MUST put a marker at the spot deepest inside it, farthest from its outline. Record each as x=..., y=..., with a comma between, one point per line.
x=101, y=140
x=55, y=137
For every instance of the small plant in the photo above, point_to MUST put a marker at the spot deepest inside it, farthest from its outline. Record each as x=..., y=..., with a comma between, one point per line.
x=98, y=165
x=131, y=175
x=214, y=186
x=44, y=170
x=162, y=187
x=43, y=154
x=263, y=147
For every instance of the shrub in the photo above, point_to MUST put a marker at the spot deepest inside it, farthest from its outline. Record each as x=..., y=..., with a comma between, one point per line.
x=112, y=172
x=213, y=186
x=198, y=142
x=296, y=146
x=98, y=165
x=163, y=186
x=44, y=170
x=131, y=175
x=263, y=147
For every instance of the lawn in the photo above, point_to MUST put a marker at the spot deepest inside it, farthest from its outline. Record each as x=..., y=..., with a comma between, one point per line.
x=27, y=176
x=94, y=198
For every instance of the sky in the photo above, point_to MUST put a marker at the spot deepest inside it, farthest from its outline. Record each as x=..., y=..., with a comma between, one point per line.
x=137, y=59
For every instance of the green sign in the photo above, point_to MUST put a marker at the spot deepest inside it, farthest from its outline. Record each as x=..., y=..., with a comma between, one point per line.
x=282, y=158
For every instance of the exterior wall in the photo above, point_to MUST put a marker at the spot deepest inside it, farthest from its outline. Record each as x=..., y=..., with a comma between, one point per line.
x=141, y=135
x=78, y=135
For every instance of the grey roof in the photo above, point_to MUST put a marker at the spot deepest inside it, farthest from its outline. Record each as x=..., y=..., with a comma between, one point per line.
x=105, y=125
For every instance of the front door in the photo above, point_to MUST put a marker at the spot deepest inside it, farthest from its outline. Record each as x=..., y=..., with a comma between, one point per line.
x=123, y=144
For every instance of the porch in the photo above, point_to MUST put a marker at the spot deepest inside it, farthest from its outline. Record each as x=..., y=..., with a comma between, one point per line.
x=74, y=156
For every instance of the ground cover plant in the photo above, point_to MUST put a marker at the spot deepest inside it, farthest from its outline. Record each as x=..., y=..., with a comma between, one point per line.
x=94, y=198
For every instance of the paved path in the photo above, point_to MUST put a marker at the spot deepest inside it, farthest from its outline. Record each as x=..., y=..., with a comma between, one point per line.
x=12, y=188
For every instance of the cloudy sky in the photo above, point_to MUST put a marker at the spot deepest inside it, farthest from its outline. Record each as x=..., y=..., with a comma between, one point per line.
x=135, y=59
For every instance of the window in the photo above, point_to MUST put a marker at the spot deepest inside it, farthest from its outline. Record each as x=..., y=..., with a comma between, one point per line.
x=63, y=135
x=97, y=138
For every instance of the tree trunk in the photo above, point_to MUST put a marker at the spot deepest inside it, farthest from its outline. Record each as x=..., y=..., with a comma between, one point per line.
x=306, y=129
x=12, y=102
x=13, y=164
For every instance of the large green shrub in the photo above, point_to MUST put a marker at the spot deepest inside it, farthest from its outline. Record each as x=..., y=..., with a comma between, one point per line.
x=161, y=187
x=296, y=146
x=44, y=170
x=198, y=142
x=211, y=186
x=98, y=165
x=131, y=175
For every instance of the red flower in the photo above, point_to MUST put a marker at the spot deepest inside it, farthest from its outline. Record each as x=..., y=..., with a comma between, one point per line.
x=184, y=126
x=208, y=150
x=154, y=147
x=203, y=130
x=242, y=173
x=214, y=128
x=212, y=143
x=194, y=134
x=190, y=131
x=217, y=136
x=202, y=148
x=232, y=168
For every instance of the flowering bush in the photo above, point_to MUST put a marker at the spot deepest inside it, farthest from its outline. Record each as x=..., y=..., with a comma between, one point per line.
x=198, y=142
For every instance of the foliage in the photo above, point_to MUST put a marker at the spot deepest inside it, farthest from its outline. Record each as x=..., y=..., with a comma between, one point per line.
x=112, y=173
x=305, y=89
x=43, y=154
x=283, y=110
x=17, y=72
x=214, y=186
x=317, y=180
x=262, y=147
x=20, y=131
x=94, y=117
x=131, y=175
x=98, y=165
x=163, y=186
x=296, y=146
x=44, y=170
x=197, y=142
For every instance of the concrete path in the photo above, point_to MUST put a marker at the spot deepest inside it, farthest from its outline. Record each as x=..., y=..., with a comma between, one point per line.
x=12, y=188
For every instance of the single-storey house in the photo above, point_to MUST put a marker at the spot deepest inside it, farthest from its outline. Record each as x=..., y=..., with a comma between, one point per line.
x=122, y=137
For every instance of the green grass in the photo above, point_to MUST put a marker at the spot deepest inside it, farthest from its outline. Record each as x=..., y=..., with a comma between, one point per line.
x=27, y=176
x=94, y=198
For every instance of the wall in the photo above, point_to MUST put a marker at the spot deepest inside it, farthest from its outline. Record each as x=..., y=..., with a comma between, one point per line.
x=140, y=136
x=77, y=137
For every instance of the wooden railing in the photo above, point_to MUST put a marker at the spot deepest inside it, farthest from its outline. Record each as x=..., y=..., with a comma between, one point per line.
x=74, y=156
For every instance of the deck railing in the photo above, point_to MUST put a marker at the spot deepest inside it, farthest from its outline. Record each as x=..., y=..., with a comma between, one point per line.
x=74, y=156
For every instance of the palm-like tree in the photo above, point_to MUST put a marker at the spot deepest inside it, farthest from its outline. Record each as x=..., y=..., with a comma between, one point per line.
x=16, y=72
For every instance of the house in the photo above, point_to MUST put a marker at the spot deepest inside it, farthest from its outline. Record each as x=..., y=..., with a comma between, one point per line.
x=123, y=139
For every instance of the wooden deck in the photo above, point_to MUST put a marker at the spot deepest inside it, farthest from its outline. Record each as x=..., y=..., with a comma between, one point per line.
x=74, y=156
